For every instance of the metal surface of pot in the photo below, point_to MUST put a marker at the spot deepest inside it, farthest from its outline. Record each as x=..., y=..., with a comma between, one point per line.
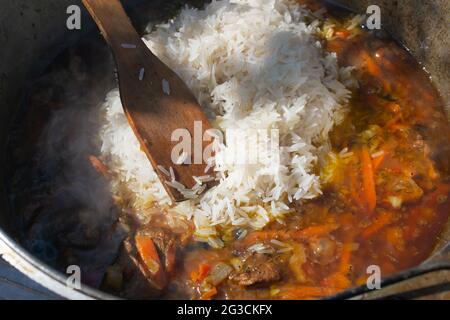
x=33, y=33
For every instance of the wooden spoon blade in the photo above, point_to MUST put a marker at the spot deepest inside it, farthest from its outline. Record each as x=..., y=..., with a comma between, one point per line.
x=164, y=114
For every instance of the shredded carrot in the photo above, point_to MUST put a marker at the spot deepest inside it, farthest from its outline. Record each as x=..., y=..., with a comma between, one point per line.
x=398, y=127
x=376, y=162
x=368, y=180
x=194, y=276
x=283, y=235
x=99, y=166
x=337, y=280
x=344, y=33
x=394, y=235
x=432, y=172
x=394, y=107
x=354, y=188
x=340, y=279
x=314, y=231
x=374, y=70
x=384, y=219
x=208, y=295
x=346, y=254
x=201, y=273
x=148, y=253
x=264, y=236
x=371, y=64
x=150, y=258
x=391, y=124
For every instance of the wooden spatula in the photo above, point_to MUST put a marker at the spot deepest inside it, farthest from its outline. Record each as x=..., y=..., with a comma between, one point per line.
x=155, y=100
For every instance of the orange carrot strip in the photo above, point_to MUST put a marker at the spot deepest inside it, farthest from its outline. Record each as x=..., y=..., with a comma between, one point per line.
x=394, y=235
x=314, y=231
x=374, y=69
x=346, y=254
x=337, y=280
x=384, y=219
x=371, y=64
x=391, y=124
x=263, y=236
x=99, y=166
x=194, y=276
x=398, y=127
x=368, y=180
x=148, y=253
x=342, y=33
x=309, y=232
x=208, y=295
x=340, y=278
x=149, y=256
x=203, y=270
x=376, y=162
x=354, y=189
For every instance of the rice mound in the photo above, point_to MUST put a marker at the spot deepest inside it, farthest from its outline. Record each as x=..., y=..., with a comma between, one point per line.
x=252, y=64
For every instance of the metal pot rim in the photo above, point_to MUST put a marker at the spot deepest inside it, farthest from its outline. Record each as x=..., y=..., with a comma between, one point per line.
x=41, y=273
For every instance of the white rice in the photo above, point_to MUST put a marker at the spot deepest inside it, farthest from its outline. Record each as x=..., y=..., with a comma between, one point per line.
x=172, y=174
x=377, y=154
x=166, y=86
x=261, y=248
x=253, y=65
x=128, y=46
x=141, y=74
x=163, y=170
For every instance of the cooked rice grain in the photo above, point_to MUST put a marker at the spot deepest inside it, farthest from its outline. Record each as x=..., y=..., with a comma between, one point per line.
x=253, y=65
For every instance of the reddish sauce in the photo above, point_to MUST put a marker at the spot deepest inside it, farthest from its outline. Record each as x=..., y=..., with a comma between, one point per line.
x=387, y=202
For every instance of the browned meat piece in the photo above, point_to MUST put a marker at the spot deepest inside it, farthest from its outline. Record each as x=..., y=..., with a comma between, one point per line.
x=136, y=283
x=141, y=282
x=166, y=243
x=397, y=189
x=257, y=269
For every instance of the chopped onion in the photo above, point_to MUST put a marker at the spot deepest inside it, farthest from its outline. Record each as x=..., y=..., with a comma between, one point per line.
x=219, y=273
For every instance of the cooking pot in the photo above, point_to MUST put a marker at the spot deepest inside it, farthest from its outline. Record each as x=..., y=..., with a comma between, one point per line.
x=33, y=33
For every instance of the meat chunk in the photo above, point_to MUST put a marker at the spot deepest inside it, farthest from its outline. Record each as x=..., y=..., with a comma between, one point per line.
x=137, y=284
x=257, y=269
x=397, y=189
x=166, y=244
x=148, y=260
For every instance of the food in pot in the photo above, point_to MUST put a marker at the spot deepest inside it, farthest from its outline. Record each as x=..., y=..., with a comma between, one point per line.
x=360, y=175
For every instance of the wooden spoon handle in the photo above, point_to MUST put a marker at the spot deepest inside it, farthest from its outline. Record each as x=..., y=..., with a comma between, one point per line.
x=156, y=101
x=113, y=22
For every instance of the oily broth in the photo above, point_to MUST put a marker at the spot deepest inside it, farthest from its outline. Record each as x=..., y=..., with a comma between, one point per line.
x=391, y=83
